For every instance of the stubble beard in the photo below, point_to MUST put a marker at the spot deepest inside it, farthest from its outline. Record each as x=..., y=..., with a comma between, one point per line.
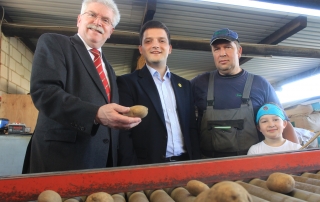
x=225, y=70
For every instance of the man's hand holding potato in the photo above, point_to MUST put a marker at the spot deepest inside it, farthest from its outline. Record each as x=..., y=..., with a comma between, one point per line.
x=120, y=117
x=111, y=115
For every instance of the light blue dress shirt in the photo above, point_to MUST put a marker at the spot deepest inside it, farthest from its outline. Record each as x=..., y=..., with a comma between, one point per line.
x=169, y=106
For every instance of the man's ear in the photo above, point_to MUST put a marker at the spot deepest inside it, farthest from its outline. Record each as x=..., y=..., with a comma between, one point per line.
x=78, y=20
x=170, y=49
x=140, y=49
x=239, y=52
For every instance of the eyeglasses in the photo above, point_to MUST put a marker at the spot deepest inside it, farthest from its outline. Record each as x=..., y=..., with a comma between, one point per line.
x=94, y=16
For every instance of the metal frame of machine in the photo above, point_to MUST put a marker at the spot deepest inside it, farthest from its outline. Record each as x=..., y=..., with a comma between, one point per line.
x=155, y=176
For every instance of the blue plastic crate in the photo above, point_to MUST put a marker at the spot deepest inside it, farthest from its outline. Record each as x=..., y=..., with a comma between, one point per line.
x=3, y=122
x=316, y=106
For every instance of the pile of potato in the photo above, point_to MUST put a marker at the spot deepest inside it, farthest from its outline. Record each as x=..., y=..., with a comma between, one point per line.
x=278, y=187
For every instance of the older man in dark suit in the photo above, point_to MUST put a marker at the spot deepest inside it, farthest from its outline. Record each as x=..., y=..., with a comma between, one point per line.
x=76, y=95
x=168, y=133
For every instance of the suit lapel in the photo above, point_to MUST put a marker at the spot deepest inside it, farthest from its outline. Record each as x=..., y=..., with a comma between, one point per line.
x=147, y=84
x=112, y=80
x=88, y=63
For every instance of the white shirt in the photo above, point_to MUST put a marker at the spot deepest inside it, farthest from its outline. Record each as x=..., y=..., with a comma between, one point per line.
x=262, y=148
x=169, y=106
x=92, y=57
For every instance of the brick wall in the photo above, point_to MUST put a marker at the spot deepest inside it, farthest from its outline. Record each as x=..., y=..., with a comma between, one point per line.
x=15, y=68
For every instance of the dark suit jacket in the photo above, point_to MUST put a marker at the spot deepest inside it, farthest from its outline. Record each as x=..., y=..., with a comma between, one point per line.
x=67, y=91
x=147, y=142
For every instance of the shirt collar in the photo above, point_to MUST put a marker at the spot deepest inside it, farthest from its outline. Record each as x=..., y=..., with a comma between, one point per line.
x=154, y=72
x=86, y=45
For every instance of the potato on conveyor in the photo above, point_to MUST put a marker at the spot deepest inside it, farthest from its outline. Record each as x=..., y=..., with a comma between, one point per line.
x=225, y=191
x=76, y=199
x=137, y=111
x=160, y=196
x=280, y=182
x=138, y=197
x=71, y=200
x=118, y=198
x=180, y=194
x=100, y=197
x=195, y=187
x=49, y=196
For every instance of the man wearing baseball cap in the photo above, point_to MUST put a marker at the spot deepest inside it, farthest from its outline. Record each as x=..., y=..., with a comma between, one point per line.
x=271, y=122
x=227, y=100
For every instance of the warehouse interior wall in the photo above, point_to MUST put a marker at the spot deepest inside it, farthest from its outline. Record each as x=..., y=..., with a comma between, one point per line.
x=15, y=68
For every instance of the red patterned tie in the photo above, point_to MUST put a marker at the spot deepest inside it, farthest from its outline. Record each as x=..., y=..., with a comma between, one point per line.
x=97, y=62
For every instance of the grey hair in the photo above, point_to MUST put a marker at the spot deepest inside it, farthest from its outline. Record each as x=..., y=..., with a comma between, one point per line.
x=108, y=3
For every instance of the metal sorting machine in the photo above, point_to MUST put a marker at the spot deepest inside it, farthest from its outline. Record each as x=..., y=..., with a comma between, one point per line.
x=169, y=175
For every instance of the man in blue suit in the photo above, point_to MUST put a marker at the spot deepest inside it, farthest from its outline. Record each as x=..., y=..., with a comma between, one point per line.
x=168, y=133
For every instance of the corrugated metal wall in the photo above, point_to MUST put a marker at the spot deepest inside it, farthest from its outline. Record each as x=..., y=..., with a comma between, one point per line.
x=185, y=18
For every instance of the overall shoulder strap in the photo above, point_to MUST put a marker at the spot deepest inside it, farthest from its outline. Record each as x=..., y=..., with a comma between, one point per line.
x=210, y=97
x=247, y=89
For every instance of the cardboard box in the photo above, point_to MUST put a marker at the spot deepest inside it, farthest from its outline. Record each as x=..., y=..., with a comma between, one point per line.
x=19, y=109
x=299, y=110
x=310, y=122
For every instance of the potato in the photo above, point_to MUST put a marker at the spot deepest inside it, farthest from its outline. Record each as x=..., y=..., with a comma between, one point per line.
x=118, y=198
x=71, y=200
x=195, y=187
x=76, y=199
x=138, y=197
x=137, y=111
x=169, y=190
x=225, y=191
x=100, y=197
x=49, y=196
x=160, y=196
x=280, y=182
x=180, y=194
x=203, y=196
x=148, y=192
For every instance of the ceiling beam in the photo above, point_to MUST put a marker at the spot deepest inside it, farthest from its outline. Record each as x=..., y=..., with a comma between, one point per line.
x=178, y=42
x=291, y=28
x=24, y=40
x=149, y=12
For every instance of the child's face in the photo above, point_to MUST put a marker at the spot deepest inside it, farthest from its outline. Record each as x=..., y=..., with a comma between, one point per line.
x=271, y=126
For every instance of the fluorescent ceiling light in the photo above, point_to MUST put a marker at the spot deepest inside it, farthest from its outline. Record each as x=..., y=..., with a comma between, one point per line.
x=301, y=89
x=269, y=6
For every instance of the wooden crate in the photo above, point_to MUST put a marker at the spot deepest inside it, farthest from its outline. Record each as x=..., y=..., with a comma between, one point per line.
x=19, y=109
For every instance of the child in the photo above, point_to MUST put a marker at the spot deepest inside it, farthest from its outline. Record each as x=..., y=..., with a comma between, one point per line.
x=270, y=122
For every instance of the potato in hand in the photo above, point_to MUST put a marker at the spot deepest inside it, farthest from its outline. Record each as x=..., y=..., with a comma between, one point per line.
x=137, y=111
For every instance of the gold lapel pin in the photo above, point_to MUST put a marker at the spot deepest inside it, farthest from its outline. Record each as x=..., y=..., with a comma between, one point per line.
x=179, y=84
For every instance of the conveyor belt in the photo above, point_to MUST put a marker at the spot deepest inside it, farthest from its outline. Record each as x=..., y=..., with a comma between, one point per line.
x=156, y=176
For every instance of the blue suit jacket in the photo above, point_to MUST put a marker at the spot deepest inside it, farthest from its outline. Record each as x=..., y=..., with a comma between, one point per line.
x=147, y=142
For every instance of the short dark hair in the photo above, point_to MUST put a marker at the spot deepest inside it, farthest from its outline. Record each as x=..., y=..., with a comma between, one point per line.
x=154, y=24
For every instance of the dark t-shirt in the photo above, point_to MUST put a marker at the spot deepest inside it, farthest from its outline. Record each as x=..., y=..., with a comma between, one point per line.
x=228, y=91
